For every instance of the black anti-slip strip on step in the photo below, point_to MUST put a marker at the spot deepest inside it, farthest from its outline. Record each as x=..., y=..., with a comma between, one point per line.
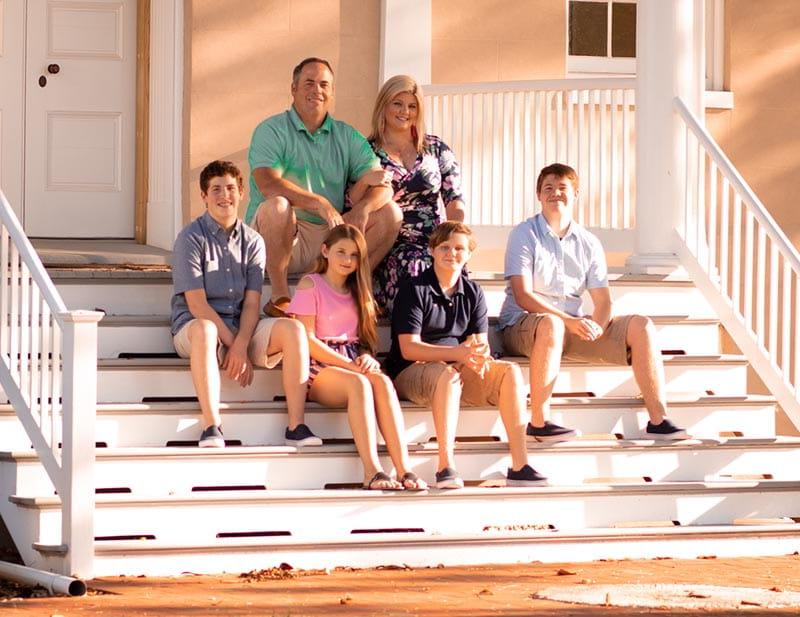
x=194, y=444
x=152, y=355
x=240, y=487
x=112, y=490
x=470, y=439
x=138, y=536
x=252, y=534
x=170, y=399
x=390, y=530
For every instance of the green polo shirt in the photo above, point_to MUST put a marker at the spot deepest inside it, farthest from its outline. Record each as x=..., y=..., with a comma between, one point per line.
x=323, y=162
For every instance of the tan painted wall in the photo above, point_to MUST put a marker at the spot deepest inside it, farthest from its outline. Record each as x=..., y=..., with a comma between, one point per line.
x=498, y=40
x=761, y=134
x=240, y=61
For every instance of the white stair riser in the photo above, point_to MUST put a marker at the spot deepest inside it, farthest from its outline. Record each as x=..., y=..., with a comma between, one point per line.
x=432, y=554
x=132, y=385
x=259, y=428
x=154, y=298
x=174, y=475
x=443, y=516
x=700, y=338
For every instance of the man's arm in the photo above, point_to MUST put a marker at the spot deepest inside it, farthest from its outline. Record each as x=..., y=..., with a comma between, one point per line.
x=529, y=300
x=601, y=297
x=272, y=184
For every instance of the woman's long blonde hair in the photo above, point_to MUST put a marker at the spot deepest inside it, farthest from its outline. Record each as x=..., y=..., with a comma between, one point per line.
x=357, y=282
x=394, y=86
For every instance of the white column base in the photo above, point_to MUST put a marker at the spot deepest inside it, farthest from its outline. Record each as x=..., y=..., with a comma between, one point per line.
x=654, y=263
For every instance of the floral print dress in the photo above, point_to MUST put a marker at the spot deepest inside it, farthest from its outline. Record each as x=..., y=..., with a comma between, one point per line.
x=421, y=192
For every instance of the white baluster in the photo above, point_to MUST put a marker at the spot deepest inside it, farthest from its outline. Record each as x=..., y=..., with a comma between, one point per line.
x=786, y=321
x=772, y=307
x=724, y=233
x=736, y=250
x=761, y=283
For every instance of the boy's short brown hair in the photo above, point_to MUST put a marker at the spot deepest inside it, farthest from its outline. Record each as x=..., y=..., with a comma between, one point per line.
x=442, y=232
x=219, y=169
x=558, y=170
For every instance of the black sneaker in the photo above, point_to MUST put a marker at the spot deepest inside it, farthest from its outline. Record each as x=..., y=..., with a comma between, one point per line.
x=525, y=476
x=448, y=478
x=550, y=432
x=665, y=431
x=212, y=437
x=301, y=436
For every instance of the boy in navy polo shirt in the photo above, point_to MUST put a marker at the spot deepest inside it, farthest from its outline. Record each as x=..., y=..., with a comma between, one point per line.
x=440, y=355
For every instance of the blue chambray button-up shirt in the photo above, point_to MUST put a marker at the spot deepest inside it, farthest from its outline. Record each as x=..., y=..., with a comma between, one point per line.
x=560, y=269
x=224, y=264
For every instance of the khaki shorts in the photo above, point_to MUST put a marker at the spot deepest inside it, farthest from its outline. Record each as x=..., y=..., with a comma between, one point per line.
x=257, y=350
x=418, y=381
x=611, y=348
x=308, y=238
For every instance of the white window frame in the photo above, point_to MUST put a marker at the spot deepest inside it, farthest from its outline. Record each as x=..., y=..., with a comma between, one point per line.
x=715, y=49
x=599, y=64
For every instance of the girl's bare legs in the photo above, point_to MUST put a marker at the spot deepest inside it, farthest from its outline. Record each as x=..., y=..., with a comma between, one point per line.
x=391, y=425
x=335, y=387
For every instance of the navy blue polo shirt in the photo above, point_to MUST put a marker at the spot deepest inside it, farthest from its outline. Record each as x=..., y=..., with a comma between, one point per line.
x=421, y=307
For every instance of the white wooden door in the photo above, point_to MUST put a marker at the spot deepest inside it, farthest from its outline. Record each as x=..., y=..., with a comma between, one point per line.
x=79, y=127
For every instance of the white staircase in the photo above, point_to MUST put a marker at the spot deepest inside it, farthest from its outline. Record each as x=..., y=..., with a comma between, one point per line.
x=164, y=506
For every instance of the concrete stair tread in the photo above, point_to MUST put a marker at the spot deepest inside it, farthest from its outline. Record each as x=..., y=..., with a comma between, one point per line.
x=468, y=493
x=183, y=363
x=534, y=448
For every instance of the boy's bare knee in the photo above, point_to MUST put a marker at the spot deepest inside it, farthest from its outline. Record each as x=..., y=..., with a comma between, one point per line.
x=449, y=380
x=203, y=332
x=639, y=327
x=551, y=328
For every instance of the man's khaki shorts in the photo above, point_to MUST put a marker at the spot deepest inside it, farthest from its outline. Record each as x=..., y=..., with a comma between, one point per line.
x=257, y=350
x=308, y=238
x=611, y=348
x=418, y=381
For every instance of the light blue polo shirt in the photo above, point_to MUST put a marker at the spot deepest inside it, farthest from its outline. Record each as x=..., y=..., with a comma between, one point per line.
x=323, y=162
x=561, y=270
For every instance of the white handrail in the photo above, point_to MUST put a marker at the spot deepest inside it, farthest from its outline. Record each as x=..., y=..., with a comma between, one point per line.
x=48, y=372
x=616, y=83
x=743, y=263
x=738, y=183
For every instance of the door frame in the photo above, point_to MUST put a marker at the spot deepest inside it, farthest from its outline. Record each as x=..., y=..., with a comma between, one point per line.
x=158, y=201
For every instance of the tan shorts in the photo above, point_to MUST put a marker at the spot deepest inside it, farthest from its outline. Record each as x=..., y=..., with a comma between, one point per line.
x=417, y=382
x=257, y=350
x=611, y=348
x=308, y=238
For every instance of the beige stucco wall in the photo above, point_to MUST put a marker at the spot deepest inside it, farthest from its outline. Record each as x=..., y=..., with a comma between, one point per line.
x=240, y=59
x=761, y=134
x=498, y=40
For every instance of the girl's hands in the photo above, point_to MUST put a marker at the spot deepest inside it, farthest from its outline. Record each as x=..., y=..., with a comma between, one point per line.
x=365, y=363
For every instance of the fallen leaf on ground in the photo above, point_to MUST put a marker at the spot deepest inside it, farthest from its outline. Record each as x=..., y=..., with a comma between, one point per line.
x=776, y=589
x=564, y=572
x=345, y=600
x=749, y=603
x=693, y=594
x=485, y=592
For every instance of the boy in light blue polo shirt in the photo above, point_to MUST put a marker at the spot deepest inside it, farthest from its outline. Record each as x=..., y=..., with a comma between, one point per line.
x=301, y=162
x=550, y=262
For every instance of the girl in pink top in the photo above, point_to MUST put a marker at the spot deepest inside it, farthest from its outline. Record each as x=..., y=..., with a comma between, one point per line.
x=335, y=304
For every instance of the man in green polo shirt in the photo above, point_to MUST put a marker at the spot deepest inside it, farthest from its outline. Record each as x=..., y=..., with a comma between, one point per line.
x=301, y=162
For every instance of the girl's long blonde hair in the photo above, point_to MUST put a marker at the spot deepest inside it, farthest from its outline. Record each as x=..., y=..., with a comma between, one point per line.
x=357, y=282
x=394, y=86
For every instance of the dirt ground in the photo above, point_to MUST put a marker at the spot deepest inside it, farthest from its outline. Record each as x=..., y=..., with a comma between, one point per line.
x=434, y=592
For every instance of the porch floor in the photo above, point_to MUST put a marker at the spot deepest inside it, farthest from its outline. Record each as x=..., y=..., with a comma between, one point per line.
x=70, y=252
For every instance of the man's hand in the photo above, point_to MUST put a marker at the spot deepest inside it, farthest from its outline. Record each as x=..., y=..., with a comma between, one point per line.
x=584, y=328
x=328, y=213
x=474, y=355
x=367, y=364
x=378, y=177
x=237, y=364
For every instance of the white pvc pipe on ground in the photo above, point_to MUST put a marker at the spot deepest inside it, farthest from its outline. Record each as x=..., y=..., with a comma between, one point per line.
x=54, y=583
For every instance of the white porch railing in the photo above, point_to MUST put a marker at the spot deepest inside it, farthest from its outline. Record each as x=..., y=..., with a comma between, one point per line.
x=48, y=372
x=744, y=264
x=503, y=133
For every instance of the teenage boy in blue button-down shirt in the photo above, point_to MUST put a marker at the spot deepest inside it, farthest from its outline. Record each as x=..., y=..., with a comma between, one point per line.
x=217, y=274
x=440, y=355
x=550, y=261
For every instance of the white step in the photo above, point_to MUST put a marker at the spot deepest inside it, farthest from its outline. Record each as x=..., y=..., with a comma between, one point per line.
x=161, y=472
x=150, y=334
x=122, y=380
x=262, y=422
x=150, y=293
x=444, y=514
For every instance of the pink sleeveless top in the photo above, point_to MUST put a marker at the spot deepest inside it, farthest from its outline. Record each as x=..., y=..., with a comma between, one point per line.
x=336, y=313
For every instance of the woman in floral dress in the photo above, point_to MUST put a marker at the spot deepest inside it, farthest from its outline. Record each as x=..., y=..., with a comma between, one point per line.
x=425, y=177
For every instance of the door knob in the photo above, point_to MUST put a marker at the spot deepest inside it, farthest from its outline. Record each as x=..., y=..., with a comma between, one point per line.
x=53, y=69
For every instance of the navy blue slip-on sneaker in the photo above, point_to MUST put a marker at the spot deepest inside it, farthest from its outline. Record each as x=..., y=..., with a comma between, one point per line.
x=665, y=431
x=212, y=437
x=448, y=478
x=301, y=436
x=525, y=476
x=550, y=432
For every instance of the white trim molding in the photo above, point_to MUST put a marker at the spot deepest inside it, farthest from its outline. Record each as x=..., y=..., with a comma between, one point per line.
x=164, y=205
x=406, y=33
